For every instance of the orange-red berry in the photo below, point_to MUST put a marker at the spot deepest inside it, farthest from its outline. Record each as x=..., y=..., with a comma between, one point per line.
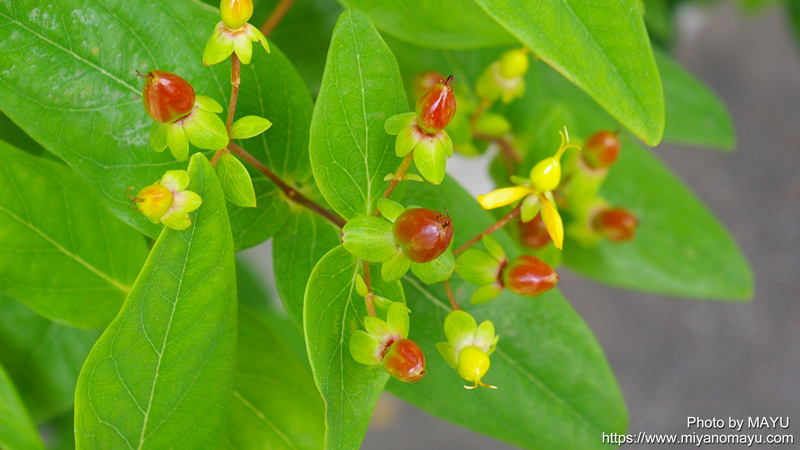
x=529, y=276
x=601, y=150
x=405, y=361
x=167, y=97
x=616, y=224
x=436, y=107
x=423, y=234
x=533, y=234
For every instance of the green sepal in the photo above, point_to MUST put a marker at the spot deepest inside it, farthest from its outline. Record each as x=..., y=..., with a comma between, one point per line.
x=369, y=238
x=486, y=293
x=485, y=338
x=448, y=353
x=256, y=35
x=365, y=348
x=178, y=144
x=395, y=124
x=219, y=46
x=158, y=136
x=205, y=130
x=459, y=328
x=394, y=268
x=390, y=209
x=249, y=126
x=208, y=104
x=430, y=159
x=379, y=329
x=406, y=141
x=478, y=267
x=520, y=181
x=235, y=180
x=412, y=177
x=397, y=317
x=243, y=47
x=447, y=143
x=436, y=271
x=382, y=304
x=493, y=247
x=176, y=220
x=361, y=286
x=530, y=208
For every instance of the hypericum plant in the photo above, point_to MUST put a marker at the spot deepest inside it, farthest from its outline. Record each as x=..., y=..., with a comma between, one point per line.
x=384, y=267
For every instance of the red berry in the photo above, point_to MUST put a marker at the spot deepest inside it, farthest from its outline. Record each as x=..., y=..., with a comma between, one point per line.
x=424, y=81
x=529, y=276
x=423, y=234
x=436, y=107
x=533, y=234
x=601, y=150
x=405, y=361
x=167, y=97
x=616, y=224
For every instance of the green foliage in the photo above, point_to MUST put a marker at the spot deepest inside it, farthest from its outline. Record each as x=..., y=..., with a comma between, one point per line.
x=160, y=375
x=235, y=181
x=86, y=259
x=361, y=88
x=16, y=429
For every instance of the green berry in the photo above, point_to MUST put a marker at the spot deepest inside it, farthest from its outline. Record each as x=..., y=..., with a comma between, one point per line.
x=514, y=63
x=236, y=13
x=546, y=175
x=154, y=201
x=472, y=364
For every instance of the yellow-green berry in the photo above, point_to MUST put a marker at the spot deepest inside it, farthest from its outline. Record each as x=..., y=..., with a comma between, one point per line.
x=154, y=201
x=546, y=175
x=236, y=13
x=514, y=63
x=472, y=364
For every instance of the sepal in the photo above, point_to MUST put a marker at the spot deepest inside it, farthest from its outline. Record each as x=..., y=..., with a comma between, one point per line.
x=369, y=238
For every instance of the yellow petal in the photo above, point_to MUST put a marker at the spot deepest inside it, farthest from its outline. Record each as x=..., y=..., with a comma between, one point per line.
x=552, y=220
x=503, y=197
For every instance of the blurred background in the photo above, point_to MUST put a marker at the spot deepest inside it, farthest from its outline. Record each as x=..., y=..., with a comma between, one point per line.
x=677, y=358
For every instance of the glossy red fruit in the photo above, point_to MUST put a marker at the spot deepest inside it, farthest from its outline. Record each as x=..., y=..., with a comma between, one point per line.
x=405, y=361
x=616, y=224
x=167, y=97
x=529, y=276
x=601, y=150
x=423, y=234
x=424, y=81
x=436, y=107
x=533, y=234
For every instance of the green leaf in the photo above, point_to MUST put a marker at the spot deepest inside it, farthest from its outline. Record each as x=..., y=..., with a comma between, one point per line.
x=556, y=390
x=160, y=376
x=680, y=248
x=361, y=88
x=439, y=24
x=89, y=111
x=369, y=238
x=695, y=116
x=333, y=311
x=296, y=249
x=16, y=429
x=235, y=181
x=43, y=358
x=249, y=126
x=600, y=46
x=15, y=136
x=390, y=209
x=275, y=402
x=85, y=258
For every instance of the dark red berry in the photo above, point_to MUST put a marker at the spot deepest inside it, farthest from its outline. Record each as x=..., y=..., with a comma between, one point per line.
x=616, y=224
x=423, y=234
x=424, y=81
x=436, y=107
x=601, y=150
x=529, y=276
x=533, y=234
x=167, y=97
x=405, y=361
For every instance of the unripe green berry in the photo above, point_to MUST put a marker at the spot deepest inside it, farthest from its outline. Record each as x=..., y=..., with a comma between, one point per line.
x=514, y=63
x=166, y=96
x=601, y=149
x=405, y=361
x=154, y=201
x=436, y=107
x=546, y=175
x=472, y=364
x=423, y=234
x=529, y=276
x=236, y=13
x=616, y=224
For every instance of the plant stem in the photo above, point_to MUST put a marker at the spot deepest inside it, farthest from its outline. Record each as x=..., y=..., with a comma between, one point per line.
x=368, y=297
x=235, y=81
x=401, y=171
x=499, y=224
x=276, y=16
x=485, y=104
x=450, y=295
x=292, y=193
x=216, y=156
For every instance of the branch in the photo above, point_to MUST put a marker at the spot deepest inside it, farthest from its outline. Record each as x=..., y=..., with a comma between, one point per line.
x=500, y=224
x=276, y=16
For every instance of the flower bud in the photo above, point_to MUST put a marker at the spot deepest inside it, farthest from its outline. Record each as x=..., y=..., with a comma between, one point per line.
x=514, y=63
x=167, y=97
x=154, y=201
x=423, y=234
x=533, y=234
x=424, y=81
x=616, y=224
x=236, y=13
x=529, y=276
x=473, y=364
x=436, y=107
x=405, y=361
x=601, y=150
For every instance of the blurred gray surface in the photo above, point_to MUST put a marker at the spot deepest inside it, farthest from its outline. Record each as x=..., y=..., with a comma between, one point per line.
x=677, y=358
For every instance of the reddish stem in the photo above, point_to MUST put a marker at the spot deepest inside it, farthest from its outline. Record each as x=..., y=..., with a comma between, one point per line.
x=401, y=172
x=235, y=81
x=368, y=297
x=499, y=224
x=450, y=295
x=276, y=16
